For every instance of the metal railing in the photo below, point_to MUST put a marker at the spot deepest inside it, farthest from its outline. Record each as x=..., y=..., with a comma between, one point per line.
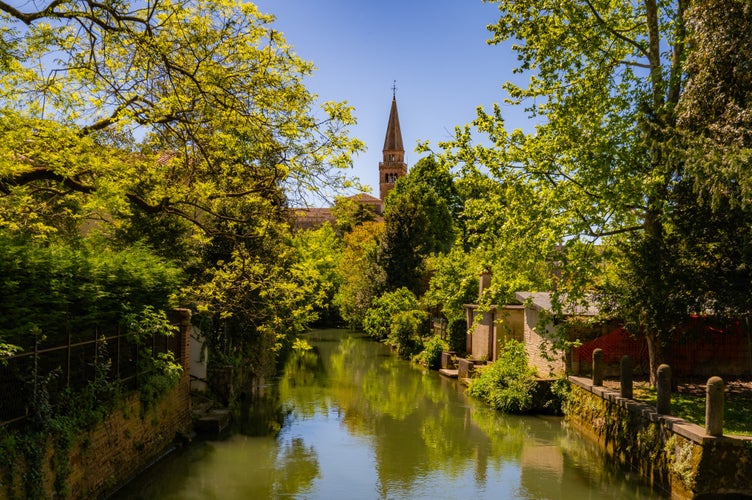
x=51, y=369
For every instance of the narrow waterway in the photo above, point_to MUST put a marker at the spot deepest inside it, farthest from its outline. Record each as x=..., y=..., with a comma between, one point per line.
x=348, y=420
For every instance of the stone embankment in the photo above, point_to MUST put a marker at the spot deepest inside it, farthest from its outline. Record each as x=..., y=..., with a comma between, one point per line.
x=673, y=455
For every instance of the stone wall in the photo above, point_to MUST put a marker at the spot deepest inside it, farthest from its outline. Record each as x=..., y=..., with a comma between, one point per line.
x=127, y=441
x=669, y=453
x=541, y=355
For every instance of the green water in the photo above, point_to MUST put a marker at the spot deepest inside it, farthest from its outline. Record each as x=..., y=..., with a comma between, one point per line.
x=355, y=422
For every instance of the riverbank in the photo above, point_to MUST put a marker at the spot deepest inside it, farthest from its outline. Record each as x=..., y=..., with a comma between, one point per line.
x=673, y=455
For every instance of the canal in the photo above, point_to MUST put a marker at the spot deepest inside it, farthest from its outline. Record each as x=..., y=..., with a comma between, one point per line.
x=350, y=420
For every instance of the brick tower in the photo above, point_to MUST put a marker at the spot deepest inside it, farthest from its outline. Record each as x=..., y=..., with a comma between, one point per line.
x=393, y=165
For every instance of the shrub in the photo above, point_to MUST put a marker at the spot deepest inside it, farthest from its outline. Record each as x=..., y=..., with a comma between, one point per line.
x=384, y=309
x=406, y=332
x=54, y=290
x=431, y=354
x=457, y=335
x=509, y=383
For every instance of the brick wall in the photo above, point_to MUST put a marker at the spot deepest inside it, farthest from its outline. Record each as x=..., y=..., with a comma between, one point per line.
x=126, y=442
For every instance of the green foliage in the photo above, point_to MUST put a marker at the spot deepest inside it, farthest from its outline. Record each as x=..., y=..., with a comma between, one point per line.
x=319, y=255
x=216, y=94
x=406, y=332
x=430, y=356
x=185, y=128
x=53, y=289
x=158, y=371
x=378, y=319
x=454, y=283
x=599, y=187
x=253, y=304
x=714, y=111
x=457, y=335
x=349, y=213
x=418, y=224
x=362, y=279
x=508, y=383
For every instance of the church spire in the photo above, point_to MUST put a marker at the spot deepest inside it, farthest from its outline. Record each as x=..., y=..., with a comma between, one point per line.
x=393, y=165
x=393, y=139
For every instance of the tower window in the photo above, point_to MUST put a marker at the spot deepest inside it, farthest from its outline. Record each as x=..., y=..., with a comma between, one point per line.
x=390, y=178
x=391, y=157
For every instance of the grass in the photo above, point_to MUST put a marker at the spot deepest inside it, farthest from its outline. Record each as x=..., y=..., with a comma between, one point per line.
x=689, y=403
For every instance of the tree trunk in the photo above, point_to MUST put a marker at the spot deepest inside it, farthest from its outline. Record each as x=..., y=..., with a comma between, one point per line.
x=656, y=354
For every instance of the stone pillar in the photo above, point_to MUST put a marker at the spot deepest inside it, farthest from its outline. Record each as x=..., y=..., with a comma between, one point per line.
x=182, y=319
x=446, y=360
x=625, y=379
x=663, y=390
x=714, y=407
x=598, y=367
x=484, y=282
x=464, y=368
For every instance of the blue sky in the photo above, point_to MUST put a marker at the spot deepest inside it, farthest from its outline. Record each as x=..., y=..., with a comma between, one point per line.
x=436, y=51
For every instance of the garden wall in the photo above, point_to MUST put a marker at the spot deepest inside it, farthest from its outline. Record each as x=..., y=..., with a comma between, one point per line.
x=669, y=453
x=129, y=439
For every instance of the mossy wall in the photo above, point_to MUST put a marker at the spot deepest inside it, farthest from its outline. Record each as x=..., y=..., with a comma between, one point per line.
x=669, y=453
x=106, y=456
x=95, y=461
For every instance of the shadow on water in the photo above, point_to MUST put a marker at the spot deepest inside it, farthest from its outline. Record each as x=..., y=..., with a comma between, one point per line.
x=348, y=420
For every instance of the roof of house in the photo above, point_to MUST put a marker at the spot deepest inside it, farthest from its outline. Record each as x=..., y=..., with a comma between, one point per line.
x=365, y=198
x=312, y=218
x=541, y=301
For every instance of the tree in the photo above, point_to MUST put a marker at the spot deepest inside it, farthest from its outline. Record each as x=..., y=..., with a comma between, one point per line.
x=714, y=111
x=320, y=252
x=715, y=125
x=605, y=82
x=418, y=223
x=186, y=126
x=190, y=109
x=361, y=277
x=349, y=213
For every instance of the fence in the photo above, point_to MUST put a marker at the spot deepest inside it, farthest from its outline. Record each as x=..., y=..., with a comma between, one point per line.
x=48, y=370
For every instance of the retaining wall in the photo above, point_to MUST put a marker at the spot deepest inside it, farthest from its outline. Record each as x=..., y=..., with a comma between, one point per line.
x=669, y=453
x=127, y=441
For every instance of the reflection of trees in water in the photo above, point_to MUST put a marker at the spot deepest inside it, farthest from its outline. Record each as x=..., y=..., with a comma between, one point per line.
x=585, y=463
x=416, y=423
x=296, y=469
x=420, y=424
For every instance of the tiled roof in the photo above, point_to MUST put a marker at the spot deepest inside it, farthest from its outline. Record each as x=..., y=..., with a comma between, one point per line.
x=541, y=301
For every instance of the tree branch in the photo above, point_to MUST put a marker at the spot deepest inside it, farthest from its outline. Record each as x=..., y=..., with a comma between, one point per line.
x=41, y=174
x=614, y=32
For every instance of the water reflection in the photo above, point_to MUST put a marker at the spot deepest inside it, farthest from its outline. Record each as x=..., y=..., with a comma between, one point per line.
x=360, y=423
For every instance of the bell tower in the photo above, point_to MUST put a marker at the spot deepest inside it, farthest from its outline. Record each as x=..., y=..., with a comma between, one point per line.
x=393, y=165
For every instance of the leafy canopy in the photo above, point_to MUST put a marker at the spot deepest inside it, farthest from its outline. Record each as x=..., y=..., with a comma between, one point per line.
x=191, y=108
